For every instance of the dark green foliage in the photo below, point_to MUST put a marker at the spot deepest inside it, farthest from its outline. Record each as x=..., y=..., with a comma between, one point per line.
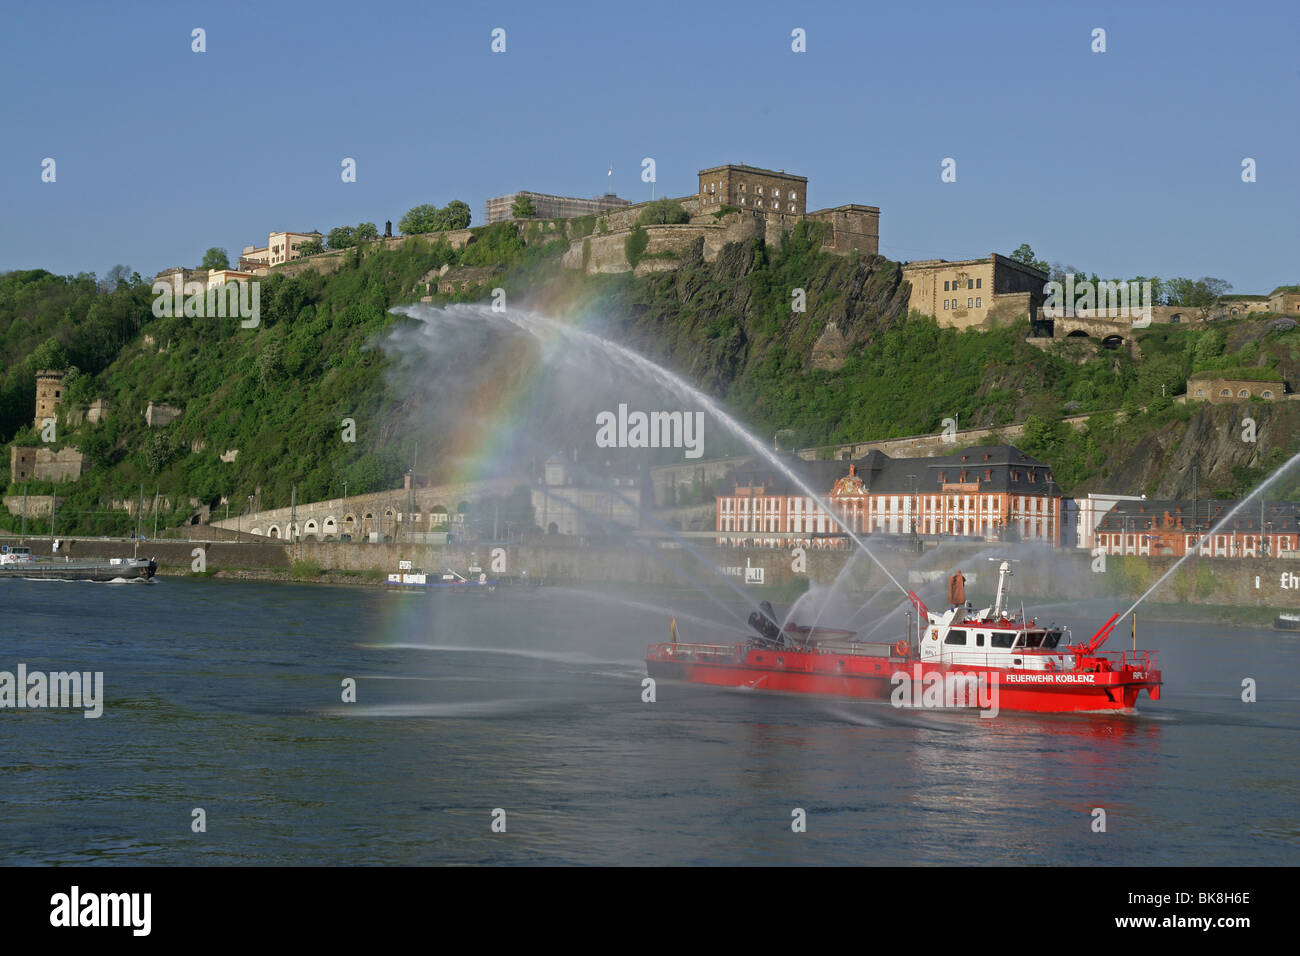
x=635, y=244
x=497, y=243
x=215, y=258
x=430, y=218
x=662, y=212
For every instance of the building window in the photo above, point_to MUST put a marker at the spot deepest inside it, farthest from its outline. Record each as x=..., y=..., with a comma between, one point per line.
x=978, y=302
x=758, y=203
x=969, y=302
x=1267, y=394
x=979, y=283
x=742, y=187
x=759, y=189
x=794, y=196
x=1244, y=393
x=1200, y=393
x=945, y=285
x=1226, y=393
x=742, y=200
x=792, y=207
x=776, y=193
x=970, y=283
x=945, y=305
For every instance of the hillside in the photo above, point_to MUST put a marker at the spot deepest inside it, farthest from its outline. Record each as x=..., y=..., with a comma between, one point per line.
x=853, y=366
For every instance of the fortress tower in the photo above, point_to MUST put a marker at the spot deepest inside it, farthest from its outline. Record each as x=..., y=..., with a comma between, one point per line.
x=49, y=392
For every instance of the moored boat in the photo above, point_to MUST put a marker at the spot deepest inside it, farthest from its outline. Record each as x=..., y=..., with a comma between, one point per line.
x=1286, y=622
x=992, y=655
x=410, y=578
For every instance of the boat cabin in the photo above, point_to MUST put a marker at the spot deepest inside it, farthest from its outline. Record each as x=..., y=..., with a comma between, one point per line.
x=995, y=636
x=15, y=554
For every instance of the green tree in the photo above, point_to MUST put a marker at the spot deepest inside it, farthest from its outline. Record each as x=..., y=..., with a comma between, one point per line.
x=215, y=258
x=420, y=219
x=522, y=208
x=341, y=237
x=663, y=211
x=1204, y=294
x=429, y=218
x=311, y=247
x=1026, y=255
x=456, y=215
x=365, y=232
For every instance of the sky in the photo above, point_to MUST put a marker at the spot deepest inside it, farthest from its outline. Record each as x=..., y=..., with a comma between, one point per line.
x=1125, y=162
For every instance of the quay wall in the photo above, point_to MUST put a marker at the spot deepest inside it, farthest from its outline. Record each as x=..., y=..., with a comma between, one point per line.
x=1039, y=573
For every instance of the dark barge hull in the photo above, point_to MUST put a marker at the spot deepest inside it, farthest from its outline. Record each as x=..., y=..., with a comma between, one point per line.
x=81, y=571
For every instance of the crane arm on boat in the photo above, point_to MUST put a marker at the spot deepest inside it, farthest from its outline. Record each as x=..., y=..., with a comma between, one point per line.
x=1099, y=638
x=921, y=609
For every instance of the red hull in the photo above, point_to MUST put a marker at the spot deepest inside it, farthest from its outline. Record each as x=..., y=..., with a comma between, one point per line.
x=1101, y=686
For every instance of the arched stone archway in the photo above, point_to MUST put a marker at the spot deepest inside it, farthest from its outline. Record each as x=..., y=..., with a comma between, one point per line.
x=438, y=515
x=1112, y=341
x=275, y=531
x=1077, y=334
x=330, y=526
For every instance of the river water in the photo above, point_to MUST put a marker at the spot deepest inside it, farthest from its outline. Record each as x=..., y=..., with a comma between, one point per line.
x=227, y=696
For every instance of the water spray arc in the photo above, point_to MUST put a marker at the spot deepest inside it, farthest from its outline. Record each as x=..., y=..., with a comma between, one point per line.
x=527, y=322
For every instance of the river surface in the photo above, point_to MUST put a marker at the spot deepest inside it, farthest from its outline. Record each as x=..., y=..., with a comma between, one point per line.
x=227, y=697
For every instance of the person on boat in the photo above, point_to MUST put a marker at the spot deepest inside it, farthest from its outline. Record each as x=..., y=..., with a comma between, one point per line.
x=956, y=590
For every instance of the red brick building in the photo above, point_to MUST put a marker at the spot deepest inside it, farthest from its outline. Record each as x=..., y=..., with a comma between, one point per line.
x=993, y=492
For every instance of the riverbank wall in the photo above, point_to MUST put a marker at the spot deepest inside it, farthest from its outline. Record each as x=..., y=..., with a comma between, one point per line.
x=1039, y=573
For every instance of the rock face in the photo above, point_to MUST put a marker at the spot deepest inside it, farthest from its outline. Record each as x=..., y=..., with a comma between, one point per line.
x=715, y=319
x=1207, y=453
x=830, y=350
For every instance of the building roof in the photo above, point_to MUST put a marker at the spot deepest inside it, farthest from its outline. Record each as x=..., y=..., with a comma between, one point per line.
x=755, y=169
x=1199, y=515
x=1010, y=470
x=995, y=258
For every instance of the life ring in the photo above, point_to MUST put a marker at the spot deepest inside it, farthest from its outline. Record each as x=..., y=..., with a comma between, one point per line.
x=901, y=648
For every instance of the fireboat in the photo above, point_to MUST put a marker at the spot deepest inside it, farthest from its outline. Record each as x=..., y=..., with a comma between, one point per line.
x=1028, y=666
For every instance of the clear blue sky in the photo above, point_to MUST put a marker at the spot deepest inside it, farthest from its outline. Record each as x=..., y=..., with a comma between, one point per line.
x=1125, y=162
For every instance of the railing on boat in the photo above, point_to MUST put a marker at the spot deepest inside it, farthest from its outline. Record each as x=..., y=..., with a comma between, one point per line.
x=1020, y=659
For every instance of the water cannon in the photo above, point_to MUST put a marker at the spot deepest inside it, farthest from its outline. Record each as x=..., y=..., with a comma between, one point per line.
x=764, y=622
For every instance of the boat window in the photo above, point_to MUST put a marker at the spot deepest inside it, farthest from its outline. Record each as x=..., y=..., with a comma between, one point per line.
x=1051, y=639
x=956, y=637
x=979, y=640
x=1001, y=639
x=1033, y=638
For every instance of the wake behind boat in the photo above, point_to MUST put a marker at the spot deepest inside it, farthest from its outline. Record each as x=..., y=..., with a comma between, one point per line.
x=992, y=653
x=19, y=562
